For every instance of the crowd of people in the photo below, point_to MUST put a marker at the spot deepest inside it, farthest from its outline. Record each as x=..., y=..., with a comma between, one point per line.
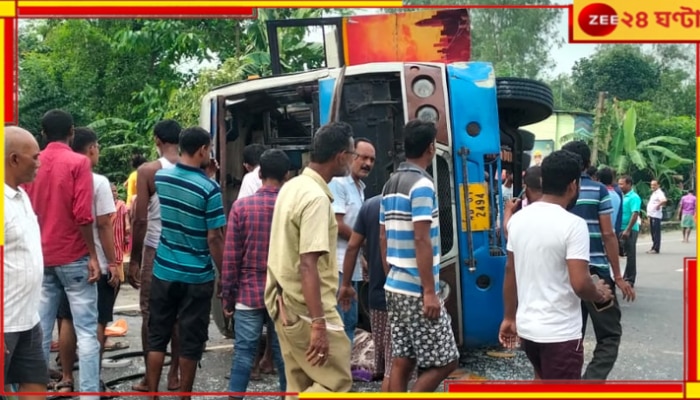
x=64, y=244
x=327, y=238
x=179, y=235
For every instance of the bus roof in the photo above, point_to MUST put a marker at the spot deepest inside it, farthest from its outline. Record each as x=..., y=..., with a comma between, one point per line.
x=257, y=84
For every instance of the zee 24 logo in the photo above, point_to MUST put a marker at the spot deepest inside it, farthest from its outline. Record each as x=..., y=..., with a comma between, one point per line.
x=601, y=19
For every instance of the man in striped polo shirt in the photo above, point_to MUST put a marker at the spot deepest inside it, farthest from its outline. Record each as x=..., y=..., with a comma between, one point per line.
x=191, y=245
x=595, y=207
x=420, y=326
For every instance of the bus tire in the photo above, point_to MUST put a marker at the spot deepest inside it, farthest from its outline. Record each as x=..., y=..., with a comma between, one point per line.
x=523, y=101
x=507, y=139
x=528, y=139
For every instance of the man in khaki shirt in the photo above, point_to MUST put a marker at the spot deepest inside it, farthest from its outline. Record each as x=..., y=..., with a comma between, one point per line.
x=302, y=274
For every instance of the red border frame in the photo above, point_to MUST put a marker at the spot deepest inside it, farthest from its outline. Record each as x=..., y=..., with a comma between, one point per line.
x=485, y=387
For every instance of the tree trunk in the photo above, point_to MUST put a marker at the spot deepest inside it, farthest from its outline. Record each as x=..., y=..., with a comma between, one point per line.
x=596, y=131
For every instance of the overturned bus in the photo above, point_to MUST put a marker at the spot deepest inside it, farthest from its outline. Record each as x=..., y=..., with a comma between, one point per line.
x=377, y=90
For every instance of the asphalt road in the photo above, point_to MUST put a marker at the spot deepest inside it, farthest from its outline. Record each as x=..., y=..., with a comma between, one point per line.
x=651, y=349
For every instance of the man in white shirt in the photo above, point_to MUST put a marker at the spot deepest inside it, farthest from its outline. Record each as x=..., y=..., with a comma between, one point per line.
x=547, y=274
x=348, y=196
x=532, y=192
x=655, y=213
x=23, y=270
x=507, y=187
x=251, y=162
x=85, y=143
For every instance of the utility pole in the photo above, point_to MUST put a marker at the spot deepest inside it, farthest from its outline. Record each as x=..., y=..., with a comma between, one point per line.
x=596, y=132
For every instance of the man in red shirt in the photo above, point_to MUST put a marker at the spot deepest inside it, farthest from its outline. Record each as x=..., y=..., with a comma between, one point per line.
x=62, y=196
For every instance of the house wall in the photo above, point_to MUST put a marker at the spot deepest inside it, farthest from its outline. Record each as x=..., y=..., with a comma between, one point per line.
x=554, y=131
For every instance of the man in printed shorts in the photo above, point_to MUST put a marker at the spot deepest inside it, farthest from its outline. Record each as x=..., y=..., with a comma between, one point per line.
x=421, y=333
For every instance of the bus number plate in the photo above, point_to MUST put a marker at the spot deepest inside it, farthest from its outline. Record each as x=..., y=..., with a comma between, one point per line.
x=479, y=207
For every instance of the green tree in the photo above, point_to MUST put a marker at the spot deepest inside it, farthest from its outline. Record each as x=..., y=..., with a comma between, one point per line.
x=676, y=94
x=180, y=105
x=624, y=71
x=654, y=123
x=119, y=141
x=563, y=92
x=123, y=76
x=62, y=67
x=638, y=144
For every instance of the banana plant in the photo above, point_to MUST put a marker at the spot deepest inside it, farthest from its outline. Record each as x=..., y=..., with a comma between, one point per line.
x=618, y=147
x=624, y=153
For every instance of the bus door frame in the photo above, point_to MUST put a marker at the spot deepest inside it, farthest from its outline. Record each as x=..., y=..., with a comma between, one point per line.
x=273, y=38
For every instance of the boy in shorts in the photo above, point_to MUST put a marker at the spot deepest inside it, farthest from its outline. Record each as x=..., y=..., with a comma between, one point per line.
x=191, y=246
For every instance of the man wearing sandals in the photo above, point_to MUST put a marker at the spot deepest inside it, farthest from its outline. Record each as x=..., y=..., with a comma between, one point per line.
x=85, y=143
x=62, y=196
x=23, y=270
x=145, y=233
x=191, y=246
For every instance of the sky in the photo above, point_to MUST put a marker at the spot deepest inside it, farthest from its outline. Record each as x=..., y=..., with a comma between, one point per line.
x=568, y=53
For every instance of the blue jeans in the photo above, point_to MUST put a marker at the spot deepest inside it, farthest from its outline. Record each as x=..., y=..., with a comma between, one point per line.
x=350, y=316
x=82, y=297
x=248, y=329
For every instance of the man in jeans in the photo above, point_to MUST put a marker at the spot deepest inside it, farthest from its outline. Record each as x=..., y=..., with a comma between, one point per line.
x=249, y=185
x=62, y=196
x=348, y=196
x=191, y=246
x=594, y=206
x=244, y=272
x=85, y=142
x=631, y=207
